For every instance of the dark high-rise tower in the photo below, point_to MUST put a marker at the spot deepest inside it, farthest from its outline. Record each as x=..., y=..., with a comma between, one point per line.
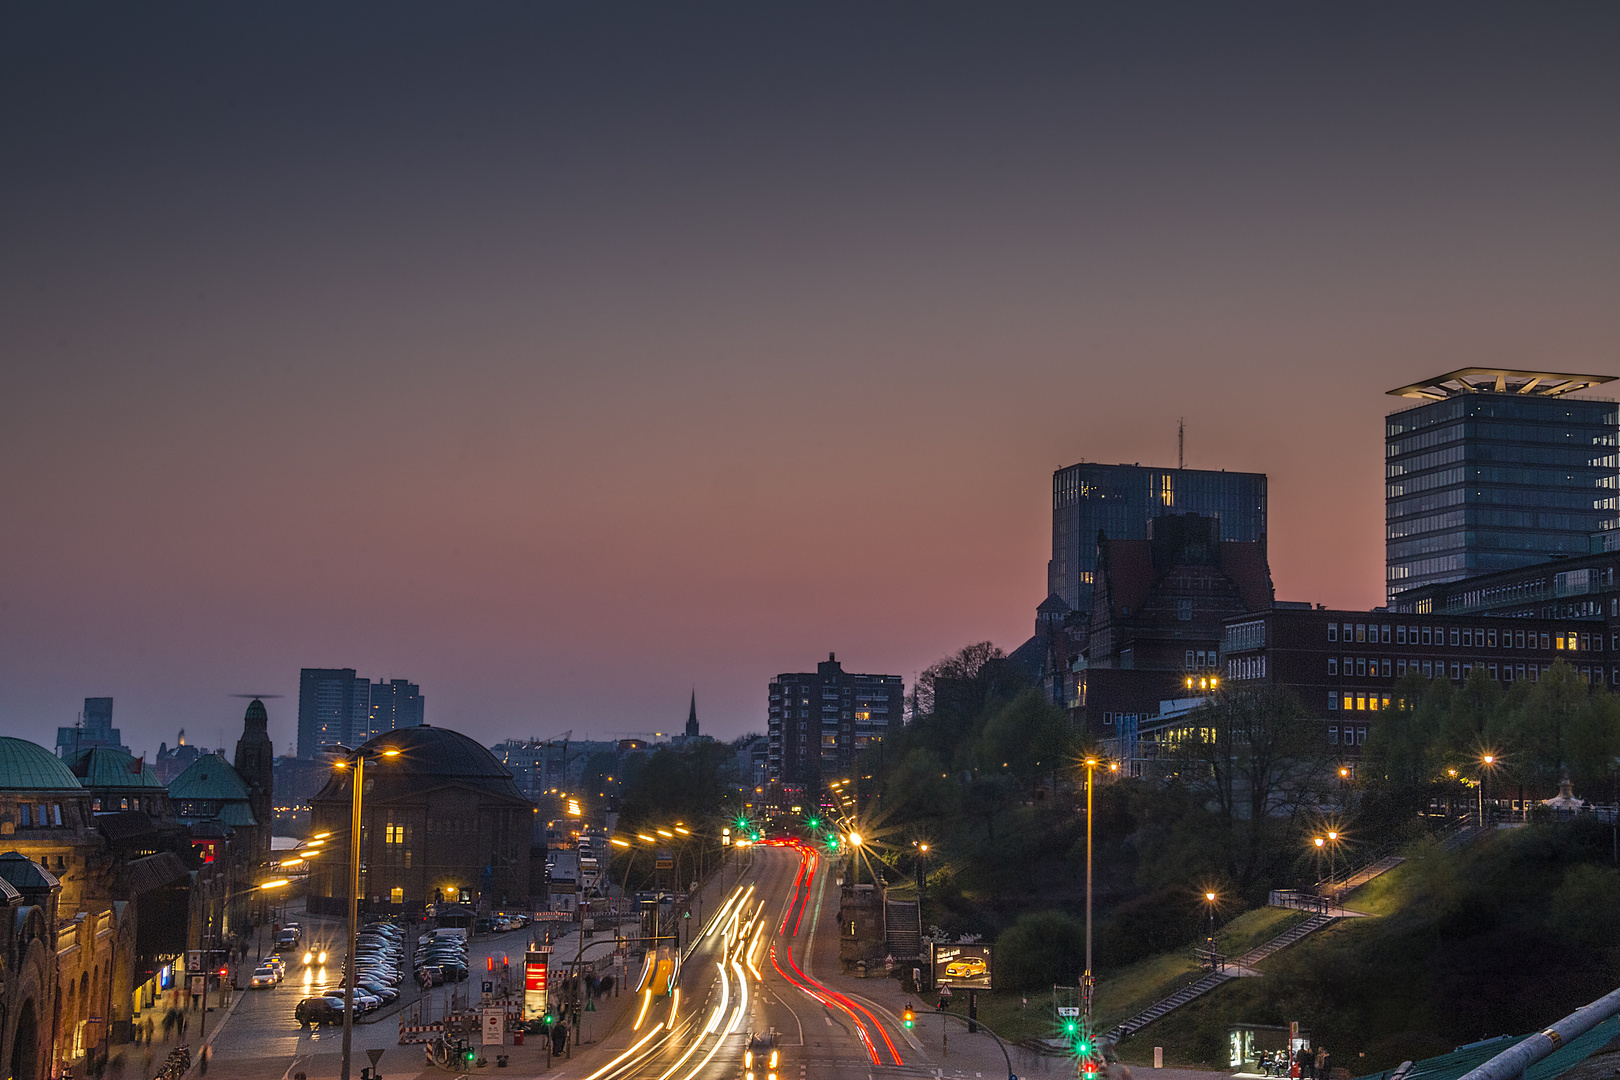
x=1120, y=500
x=255, y=764
x=1496, y=469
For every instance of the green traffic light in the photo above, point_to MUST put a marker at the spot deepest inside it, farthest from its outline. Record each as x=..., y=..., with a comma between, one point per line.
x=1070, y=1027
x=814, y=822
x=1085, y=1047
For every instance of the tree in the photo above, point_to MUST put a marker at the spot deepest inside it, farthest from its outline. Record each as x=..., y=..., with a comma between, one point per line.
x=1258, y=762
x=1030, y=737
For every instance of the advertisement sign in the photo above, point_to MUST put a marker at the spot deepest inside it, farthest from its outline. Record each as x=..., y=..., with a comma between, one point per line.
x=664, y=860
x=534, y=986
x=494, y=1027
x=962, y=965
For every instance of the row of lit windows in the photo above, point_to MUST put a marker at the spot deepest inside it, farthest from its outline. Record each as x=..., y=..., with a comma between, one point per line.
x=124, y=803
x=39, y=815
x=1467, y=637
x=1352, y=702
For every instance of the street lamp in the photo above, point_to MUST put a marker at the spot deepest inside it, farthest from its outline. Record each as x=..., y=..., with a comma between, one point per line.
x=1488, y=760
x=357, y=761
x=1209, y=899
x=1087, y=979
x=922, y=856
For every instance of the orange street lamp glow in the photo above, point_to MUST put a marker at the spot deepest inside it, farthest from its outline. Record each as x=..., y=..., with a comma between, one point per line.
x=1210, y=897
x=1320, y=842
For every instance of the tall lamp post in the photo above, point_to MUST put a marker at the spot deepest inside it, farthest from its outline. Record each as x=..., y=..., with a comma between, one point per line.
x=1333, y=861
x=1489, y=762
x=1209, y=900
x=357, y=761
x=1086, y=979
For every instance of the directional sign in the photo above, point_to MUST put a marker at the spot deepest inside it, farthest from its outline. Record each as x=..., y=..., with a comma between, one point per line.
x=1068, y=1010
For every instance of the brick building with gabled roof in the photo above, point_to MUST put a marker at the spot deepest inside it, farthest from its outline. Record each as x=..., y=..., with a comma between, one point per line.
x=1157, y=616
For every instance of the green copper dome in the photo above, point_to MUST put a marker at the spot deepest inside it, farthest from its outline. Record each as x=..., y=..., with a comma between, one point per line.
x=26, y=766
x=108, y=767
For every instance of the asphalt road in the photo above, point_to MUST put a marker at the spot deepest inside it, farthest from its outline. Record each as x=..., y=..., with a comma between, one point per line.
x=748, y=974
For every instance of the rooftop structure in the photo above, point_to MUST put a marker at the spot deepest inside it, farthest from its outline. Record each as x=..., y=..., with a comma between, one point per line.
x=1475, y=380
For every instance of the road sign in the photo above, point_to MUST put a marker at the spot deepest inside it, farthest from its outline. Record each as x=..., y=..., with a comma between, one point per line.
x=374, y=1055
x=590, y=1004
x=1068, y=1010
x=198, y=984
x=494, y=1027
x=489, y=987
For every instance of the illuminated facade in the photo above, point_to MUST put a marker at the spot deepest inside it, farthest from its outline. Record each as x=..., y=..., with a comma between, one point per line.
x=1120, y=500
x=1495, y=470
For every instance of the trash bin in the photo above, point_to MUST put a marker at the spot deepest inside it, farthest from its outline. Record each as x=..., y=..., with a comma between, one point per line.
x=517, y=1037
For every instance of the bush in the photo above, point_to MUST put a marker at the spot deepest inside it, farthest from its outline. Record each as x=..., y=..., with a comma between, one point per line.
x=1584, y=906
x=1040, y=950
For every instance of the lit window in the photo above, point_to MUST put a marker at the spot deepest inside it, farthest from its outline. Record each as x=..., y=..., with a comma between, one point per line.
x=396, y=895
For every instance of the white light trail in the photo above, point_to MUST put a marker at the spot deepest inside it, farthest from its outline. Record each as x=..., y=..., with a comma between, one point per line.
x=725, y=996
x=646, y=1000
x=604, y=1070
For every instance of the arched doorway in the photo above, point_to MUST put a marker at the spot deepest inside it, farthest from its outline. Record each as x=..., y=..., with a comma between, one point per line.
x=25, y=1046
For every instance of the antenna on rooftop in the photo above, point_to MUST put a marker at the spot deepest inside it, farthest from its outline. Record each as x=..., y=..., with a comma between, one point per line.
x=1181, y=443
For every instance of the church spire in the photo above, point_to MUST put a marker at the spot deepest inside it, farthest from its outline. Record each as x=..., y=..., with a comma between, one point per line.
x=691, y=717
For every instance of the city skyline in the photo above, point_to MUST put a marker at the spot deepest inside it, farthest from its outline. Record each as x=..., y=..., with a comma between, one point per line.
x=484, y=348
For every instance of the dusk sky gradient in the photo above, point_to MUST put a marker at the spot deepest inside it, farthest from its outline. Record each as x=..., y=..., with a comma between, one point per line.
x=565, y=357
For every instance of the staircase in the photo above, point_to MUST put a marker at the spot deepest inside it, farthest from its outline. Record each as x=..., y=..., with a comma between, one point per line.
x=1174, y=1001
x=1337, y=890
x=902, y=928
x=1216, y=978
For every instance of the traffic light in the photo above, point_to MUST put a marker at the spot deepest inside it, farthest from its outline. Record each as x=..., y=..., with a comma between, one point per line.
x=908, y=1017
x=832, y=841
x=813, y=822
x=1071, y=1027
x=470, y=1054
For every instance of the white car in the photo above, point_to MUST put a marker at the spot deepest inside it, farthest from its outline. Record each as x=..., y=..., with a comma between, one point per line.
x=265, y=976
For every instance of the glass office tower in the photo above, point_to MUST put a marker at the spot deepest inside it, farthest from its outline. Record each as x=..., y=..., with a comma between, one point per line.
x=1119, y=500
x=1496, y=470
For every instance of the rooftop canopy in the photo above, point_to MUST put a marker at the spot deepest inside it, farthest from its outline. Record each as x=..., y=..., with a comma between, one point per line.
x=1478, y=380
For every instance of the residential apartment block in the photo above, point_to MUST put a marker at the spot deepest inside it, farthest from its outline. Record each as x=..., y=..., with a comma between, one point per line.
x=819, y=721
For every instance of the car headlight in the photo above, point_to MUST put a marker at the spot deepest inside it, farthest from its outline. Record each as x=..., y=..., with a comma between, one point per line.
x=748, y=1059
x=323, y=958
x=308, y=957
x=773, y=1059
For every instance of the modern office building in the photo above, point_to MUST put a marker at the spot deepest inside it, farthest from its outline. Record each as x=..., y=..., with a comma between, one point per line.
x=335, y=705
x=820, y=720
x=1119, y=501
x=94, y=729
x=1495, y=470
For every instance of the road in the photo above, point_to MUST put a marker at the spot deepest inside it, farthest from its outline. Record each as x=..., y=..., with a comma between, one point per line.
x=750, y=973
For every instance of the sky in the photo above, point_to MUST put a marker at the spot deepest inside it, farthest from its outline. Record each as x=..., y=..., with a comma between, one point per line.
x=565, y=358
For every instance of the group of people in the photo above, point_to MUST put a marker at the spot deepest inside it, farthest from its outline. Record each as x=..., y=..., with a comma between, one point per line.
x=1302, y=1064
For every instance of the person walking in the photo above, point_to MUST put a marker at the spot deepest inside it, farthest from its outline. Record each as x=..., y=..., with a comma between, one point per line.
x=1321, y=1063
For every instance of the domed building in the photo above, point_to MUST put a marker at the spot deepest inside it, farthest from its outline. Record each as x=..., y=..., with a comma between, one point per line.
x=443, y=820
x=119, y=782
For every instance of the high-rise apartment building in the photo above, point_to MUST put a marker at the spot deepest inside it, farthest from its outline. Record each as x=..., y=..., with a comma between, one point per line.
x=1120, y=500
x=820, y=720
x=395, y=703
x=1495, y=470
x=334, y=705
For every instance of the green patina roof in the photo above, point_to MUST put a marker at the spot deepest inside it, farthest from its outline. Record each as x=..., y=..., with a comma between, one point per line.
x=1467, y=1058
x=236, y=815
x=209, y=777
x=27, y=766
x=107, y=767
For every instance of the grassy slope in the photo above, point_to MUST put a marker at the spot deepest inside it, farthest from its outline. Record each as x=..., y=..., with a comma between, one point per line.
x=1126, y=992
x=1462, y=950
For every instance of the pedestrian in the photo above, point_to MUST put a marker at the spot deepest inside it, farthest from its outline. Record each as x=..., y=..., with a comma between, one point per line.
x=207, y=1052
x=1321, y=1063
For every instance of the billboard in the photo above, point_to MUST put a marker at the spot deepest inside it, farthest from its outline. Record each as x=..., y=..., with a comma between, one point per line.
x=962, y=965
x=534, y=985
